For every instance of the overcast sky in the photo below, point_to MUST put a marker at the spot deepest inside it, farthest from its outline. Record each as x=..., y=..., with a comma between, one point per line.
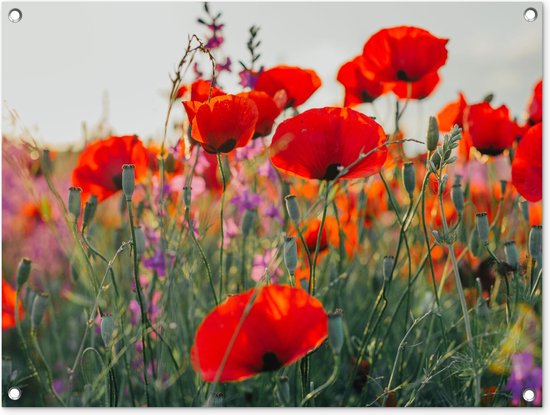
x=62, y=58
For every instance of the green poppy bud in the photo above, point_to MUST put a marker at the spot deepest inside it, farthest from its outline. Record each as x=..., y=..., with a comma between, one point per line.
x=128, y=180
x=292, y=208
x=511, y=254
x=335, y=331
x=457, y=195
x=75, y=202
x=23, y=272
x=432, y=137
x=535, y=241
x=482, y=222
x=38, y=309
x=409, y=178
x=140, y=241
x=388, y=264
x=107, y=329
x=89, y=210
x=290, y=254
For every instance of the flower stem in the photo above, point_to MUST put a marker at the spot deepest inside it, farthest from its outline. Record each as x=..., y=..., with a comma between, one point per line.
x=312, y=280
x=222, y=236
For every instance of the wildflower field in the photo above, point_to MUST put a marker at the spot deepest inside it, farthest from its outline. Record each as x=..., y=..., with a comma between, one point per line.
x=276, y=256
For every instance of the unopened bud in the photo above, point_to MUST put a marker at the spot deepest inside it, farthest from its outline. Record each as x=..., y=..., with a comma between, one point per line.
x=482, y=222
x=187, y=196
x=75, y=202
x=290, y=254
x=335, y=331
x=457, y=195
x=388, y=264
x=435, y=160
x=443, y=183
x=511, y=254
x=432, y=137
x=247, y=224
x=292, y=208
x=23, y=272
x=535, y=241
x=107, y=329
x=128, y=180
x=38, y=309
x=140, y=241
x=89, y=210
x=409, y=178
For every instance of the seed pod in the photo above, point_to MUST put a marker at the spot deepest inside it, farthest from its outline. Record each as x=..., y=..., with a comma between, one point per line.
x=290, y=254
x=388, y=267
x=107, y=329
x=140, y=241
x=23, y=272
x=335, y=331
x=483, y=227
x=535, y=241
x=511, y=254
x=284, y=389
x=89, y=210
x=409, y=178
x=219, y=400
x=457, y=195
x=38, y=309
x=249, y=218
x=187, y=196
x=128, y=180
x=75, y=202
x=292, y=208
x=432, y=137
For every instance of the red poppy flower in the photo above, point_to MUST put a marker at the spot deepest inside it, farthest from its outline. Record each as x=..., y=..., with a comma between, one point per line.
x=268, y=111
x=527, y=165
x=298, y=84
x=224, y=123
x=360, y=85
x=8, y=306
x=404, y=53
x=490, y=130
x=283, y=324
x=535, y=105
x=318, y=143
x=452, y=114
x=419, y=89
x=201, y=90
x=99, y=168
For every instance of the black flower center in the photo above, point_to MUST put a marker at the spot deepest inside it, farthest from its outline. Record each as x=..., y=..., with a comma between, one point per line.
x=227, y=146
x=402, y=76
x=271, y=362
x=332, y=171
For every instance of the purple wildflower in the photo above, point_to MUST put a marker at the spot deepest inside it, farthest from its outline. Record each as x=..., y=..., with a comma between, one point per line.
x=524, y=375
x=246, y=201
x=260, y=266
x=249, y=77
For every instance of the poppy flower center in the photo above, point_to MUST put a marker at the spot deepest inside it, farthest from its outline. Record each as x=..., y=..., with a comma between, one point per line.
x=227, y=146
x=117, y=180
x=271, y=362
x=402, y=76
x=332, y=171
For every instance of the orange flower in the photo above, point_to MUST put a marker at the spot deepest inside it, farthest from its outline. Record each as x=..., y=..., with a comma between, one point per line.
x=224, y=123
x=8, y=306
x=296, y=83
x=99, y=168
x=280, y=325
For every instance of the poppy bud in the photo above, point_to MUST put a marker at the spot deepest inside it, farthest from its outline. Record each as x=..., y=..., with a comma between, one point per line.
x=409, y=178
x=218, y=400
x=458, y=179
x=23, y=272
x=284, y=389
x=128, y=180
x=107, y=329
x=388, y=267
x=47, y=165
x=89, y=210
x=535, y=241
x=432, y=137
x=170, y=163
x=75, y=201
x=435, y=161
x=38, y=308
x=187, y=196
x=525, y=210
x=290, y=254
x=482, y=222
x=248, y=221
x=335, y=331
x=140, y=241
x=511, y=254
x=292, y=208
x=457, y=195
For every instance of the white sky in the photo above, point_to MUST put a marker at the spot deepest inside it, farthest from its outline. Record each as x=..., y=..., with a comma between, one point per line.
x=62, y=58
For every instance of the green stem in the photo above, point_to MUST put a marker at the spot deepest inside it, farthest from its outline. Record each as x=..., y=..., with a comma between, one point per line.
x=222, y=236
x=49, y=380
x=312, y=280
x=330, y=381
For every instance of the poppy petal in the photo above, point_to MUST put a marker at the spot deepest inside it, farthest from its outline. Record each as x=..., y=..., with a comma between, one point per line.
x=527, y=165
